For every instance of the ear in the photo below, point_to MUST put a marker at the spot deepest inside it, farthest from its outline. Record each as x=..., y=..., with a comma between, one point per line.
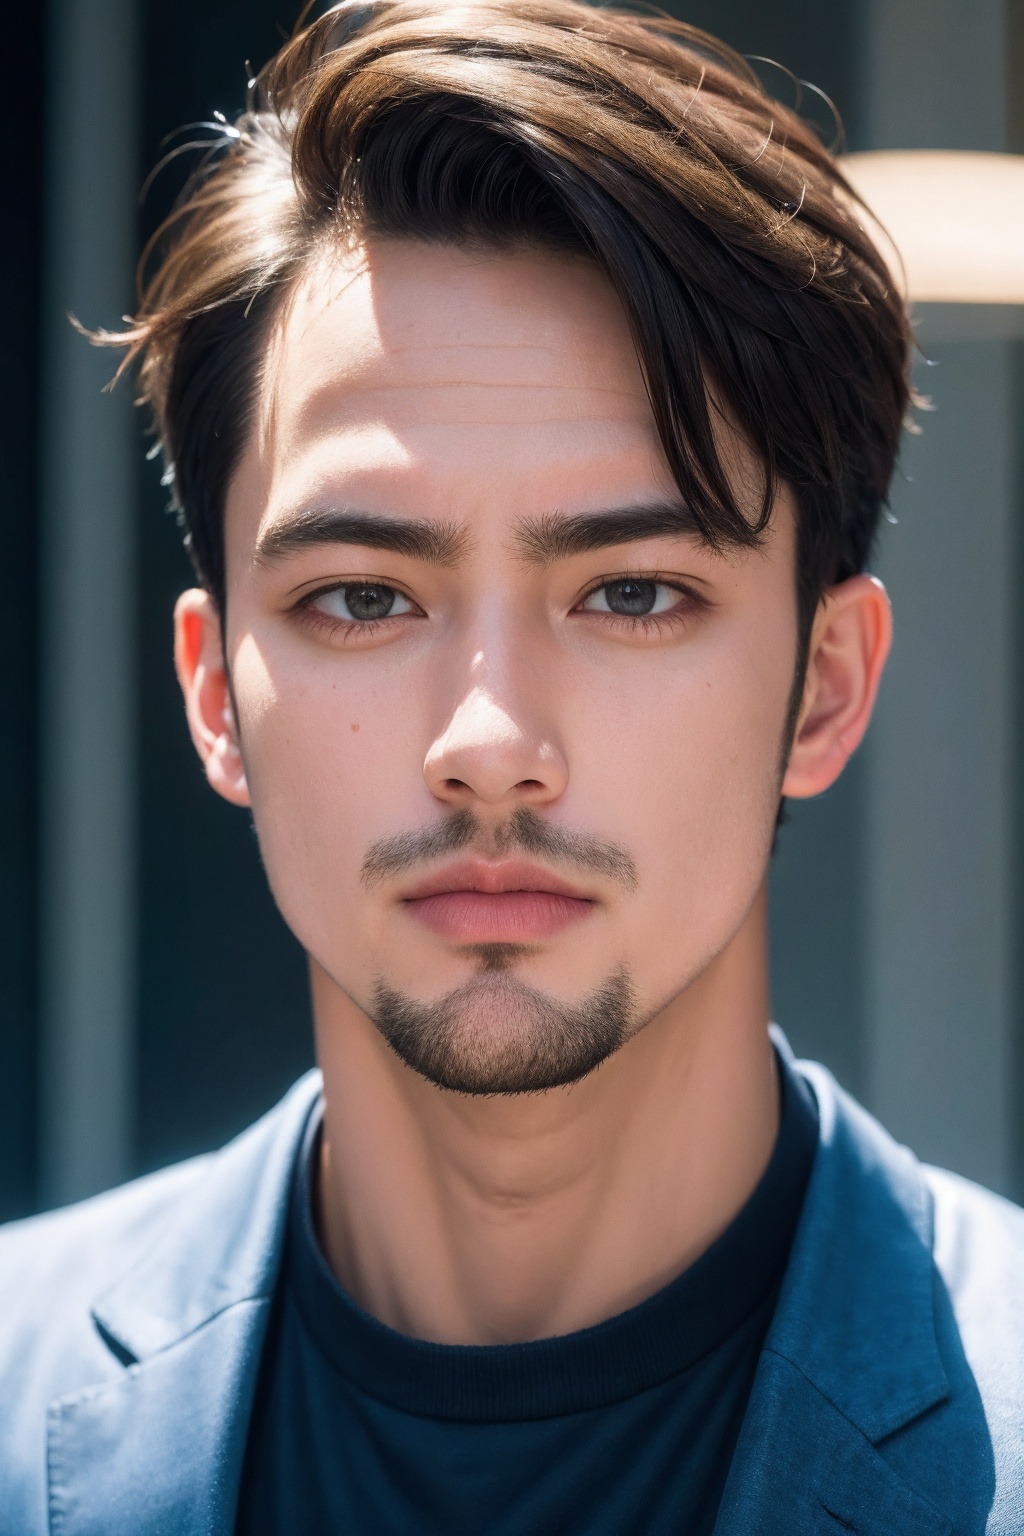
x=202, y=673
x=850, y=640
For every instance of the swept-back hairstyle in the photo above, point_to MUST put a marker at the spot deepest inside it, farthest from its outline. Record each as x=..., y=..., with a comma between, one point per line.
x=725, y=227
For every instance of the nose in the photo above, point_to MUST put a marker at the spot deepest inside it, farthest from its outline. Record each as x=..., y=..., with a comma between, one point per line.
x=490, y=754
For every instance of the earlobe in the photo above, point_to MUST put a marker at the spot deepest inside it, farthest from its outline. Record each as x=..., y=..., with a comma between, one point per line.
x=202, y=673
x=850, y=642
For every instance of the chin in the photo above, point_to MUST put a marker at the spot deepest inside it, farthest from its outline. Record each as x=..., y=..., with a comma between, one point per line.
x=496, y=1035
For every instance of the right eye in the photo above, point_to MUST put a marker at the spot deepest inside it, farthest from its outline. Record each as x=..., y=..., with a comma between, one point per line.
x=361, y=602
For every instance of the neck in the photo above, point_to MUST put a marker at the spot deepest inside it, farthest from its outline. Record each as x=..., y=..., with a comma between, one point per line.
x=494, y=1220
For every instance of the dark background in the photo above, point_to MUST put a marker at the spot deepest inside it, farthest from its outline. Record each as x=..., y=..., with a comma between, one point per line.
x=21, y=178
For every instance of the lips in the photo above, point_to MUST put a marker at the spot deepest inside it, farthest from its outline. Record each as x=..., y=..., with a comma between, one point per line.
x=475, y=902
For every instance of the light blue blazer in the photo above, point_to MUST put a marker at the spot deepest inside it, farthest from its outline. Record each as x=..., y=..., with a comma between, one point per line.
x=889, y=1398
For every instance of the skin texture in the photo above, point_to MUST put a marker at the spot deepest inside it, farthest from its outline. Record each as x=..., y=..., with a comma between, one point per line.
x=493, y=396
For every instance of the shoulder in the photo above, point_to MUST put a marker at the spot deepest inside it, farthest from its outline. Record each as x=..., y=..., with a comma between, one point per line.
x=52, y=1267
x=975, y=1237
x=979, y=1254
x=979, y=1238
x=84, y=1246
x=104, y=1285
x=975, y=1240
x=168, y=1240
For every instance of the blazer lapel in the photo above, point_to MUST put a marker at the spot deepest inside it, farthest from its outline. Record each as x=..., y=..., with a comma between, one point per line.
x=158, y=1450
x=803, y=1469
x=852, y=1355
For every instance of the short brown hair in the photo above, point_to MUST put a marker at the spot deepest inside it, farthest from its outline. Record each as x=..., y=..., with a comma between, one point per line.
x=724, y=225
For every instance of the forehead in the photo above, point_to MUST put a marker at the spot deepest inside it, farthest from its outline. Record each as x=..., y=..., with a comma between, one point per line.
x=409, y=355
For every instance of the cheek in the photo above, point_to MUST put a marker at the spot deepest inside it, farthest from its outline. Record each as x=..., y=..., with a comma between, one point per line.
x=331, y=761
x=687, y=737
x=685, y=768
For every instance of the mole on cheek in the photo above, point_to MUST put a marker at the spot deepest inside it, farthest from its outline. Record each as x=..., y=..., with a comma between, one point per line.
x=354, y=726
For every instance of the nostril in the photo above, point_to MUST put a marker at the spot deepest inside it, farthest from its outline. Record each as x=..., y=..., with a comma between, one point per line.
x=529, y=784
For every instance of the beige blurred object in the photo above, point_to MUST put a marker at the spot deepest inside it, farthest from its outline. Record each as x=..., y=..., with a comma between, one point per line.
x=956, y=219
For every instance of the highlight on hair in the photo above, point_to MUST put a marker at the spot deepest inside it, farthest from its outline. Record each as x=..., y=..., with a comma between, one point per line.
x=725, y=227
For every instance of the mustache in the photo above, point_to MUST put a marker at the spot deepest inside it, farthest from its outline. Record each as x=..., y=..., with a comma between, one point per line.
x=523, y=832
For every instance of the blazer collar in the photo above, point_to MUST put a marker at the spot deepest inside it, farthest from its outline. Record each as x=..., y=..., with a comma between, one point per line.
x=160, y=1448
x=852, y=1354
x=857, y=1311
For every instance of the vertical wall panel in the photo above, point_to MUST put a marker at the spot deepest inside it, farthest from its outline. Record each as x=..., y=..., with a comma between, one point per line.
x=933, y=73
x=1014, y=83
x=87, y=606
x=20, y=219
x=940, y=823
x=940, y=800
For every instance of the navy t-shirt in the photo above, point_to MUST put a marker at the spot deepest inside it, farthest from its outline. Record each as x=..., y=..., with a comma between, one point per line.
x=629, y=1426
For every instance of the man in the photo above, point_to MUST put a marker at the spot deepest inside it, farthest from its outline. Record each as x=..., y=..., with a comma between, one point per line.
x=530, y=391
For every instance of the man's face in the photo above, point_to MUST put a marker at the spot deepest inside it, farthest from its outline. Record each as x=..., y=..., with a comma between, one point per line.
x=511, y=732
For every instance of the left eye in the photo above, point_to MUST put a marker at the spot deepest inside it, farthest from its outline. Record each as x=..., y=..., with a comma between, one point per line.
x=633, y=597
x=361, y=602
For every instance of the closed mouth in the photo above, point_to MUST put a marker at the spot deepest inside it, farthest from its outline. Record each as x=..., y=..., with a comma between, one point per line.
x=478, y=902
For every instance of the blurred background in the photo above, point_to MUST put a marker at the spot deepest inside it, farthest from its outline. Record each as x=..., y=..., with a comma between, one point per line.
x=151, y=1000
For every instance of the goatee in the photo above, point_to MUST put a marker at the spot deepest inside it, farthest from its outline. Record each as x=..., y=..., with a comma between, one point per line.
x=496, y=1035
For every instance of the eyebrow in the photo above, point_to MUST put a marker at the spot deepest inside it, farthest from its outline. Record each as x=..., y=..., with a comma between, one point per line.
x=437, y=543
x=551, y=537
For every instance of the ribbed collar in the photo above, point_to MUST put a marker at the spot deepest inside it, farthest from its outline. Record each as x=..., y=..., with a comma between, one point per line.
x=630, y=1353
